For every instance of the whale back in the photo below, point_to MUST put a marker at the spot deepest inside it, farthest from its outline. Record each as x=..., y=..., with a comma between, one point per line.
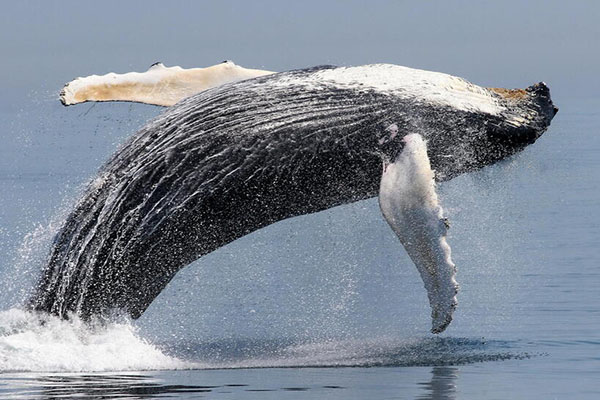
x=233, y=159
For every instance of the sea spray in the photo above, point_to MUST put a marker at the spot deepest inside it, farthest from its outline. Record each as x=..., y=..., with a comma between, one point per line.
x=41, y=342
x=37, y=342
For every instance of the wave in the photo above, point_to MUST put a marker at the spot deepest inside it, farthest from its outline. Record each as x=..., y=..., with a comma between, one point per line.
x=35, y=342
x=41, y=343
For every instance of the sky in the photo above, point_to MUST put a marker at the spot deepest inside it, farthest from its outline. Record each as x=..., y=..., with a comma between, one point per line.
x=491, y=43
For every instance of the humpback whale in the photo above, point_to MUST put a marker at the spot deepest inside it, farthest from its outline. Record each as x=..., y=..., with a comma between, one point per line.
x=260, y=147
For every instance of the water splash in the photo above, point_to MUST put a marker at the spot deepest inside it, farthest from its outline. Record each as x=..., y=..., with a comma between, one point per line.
x=373, y=352
x=40, y=342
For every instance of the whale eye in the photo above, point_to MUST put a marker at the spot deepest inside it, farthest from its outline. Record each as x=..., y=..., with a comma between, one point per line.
x=389, y=134
x=392, y=129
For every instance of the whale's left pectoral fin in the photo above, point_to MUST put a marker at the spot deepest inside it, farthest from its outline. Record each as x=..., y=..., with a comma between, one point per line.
x=410, y=205
x=160, y=85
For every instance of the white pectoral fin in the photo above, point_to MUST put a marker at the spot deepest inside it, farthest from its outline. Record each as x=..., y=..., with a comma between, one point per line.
x=410, y=205
x=160, y=85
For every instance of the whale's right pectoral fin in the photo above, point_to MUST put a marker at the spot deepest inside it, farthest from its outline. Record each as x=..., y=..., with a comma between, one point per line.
x=160, y=85
x=410, y=205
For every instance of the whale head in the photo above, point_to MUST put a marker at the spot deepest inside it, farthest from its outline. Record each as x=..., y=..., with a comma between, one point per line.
x=470, y=141
x=528, y=115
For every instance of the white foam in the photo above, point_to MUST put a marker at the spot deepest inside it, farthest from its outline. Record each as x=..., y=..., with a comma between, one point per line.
x=42, y=343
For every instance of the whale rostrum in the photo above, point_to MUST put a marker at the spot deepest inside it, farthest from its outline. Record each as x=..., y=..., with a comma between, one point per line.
x=244, y=154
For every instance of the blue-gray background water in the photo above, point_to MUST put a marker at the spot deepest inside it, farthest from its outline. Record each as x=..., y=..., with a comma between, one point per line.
x=334, y=289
